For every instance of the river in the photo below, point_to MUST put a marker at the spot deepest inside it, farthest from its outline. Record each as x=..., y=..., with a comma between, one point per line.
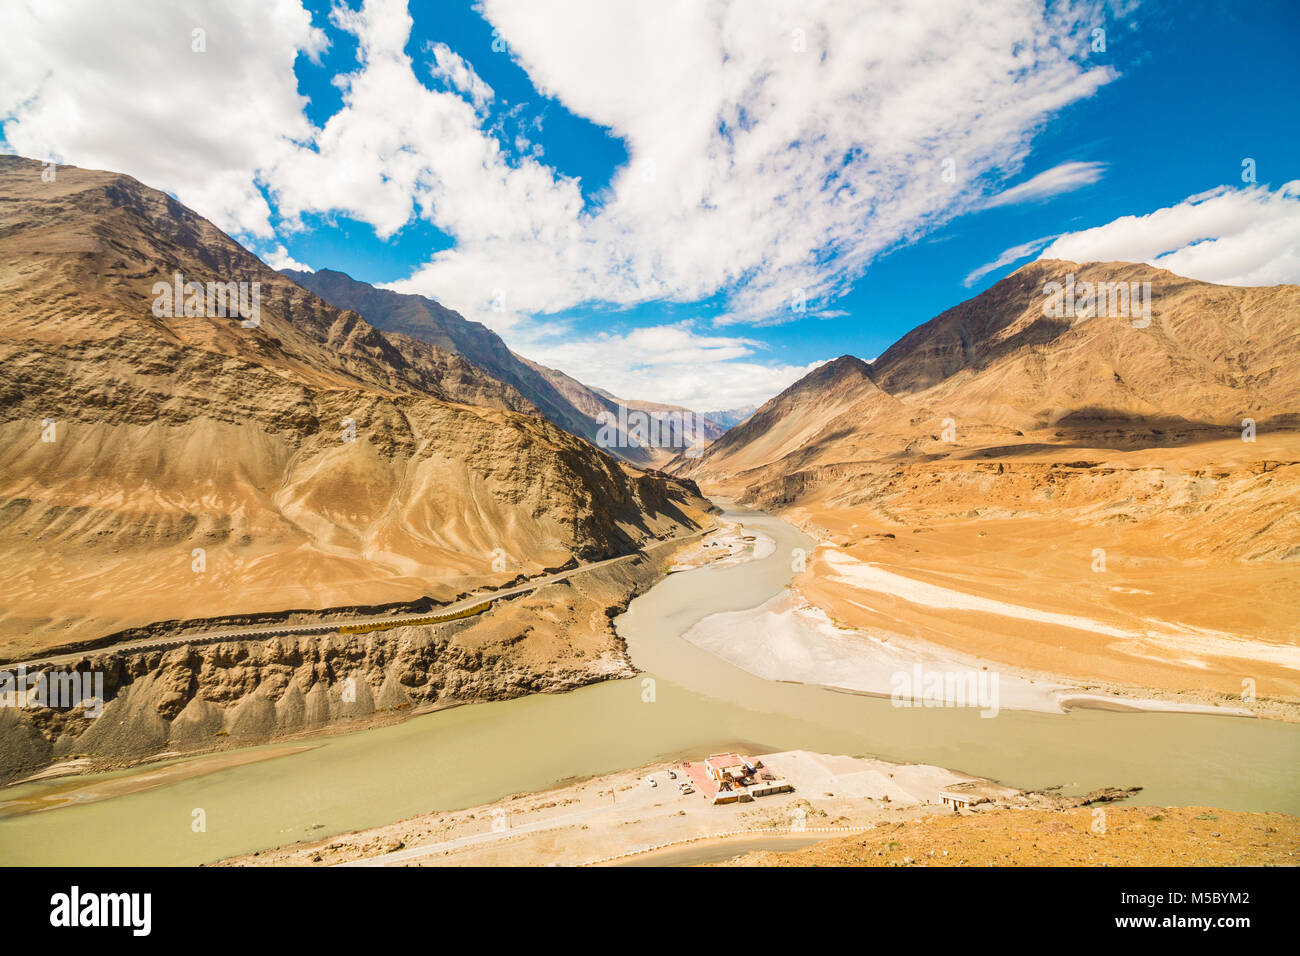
x=696, y=704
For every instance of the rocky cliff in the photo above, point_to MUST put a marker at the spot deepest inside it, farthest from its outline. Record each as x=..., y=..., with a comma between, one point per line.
x=234, y=694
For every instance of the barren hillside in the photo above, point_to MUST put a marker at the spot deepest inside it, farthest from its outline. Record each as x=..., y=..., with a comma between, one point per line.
x=1141, y=477
x=567, y=402
x=314, y=460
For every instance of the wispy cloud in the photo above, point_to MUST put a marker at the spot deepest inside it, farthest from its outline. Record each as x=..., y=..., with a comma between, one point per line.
x=1015, y=253
x=734, y=186
x=1059, y=179
x=453, y=70
x=773, y=148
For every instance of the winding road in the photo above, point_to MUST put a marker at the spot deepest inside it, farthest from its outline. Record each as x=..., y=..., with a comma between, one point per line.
x=273, y=630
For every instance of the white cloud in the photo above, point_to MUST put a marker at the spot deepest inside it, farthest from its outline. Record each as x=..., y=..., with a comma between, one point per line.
x=1059, y=179
x=396, y=147
x=769, y=151
x=123, y=89
x=1231, y=236
x=772, y=147
x=452, y=69
x=279, y=258
x=673, y=364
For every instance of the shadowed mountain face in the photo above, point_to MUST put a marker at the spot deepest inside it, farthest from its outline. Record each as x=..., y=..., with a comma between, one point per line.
x=575, y=407
x=163, y=464
x=836, y=403
x=1014, y=370
x=1018, y=356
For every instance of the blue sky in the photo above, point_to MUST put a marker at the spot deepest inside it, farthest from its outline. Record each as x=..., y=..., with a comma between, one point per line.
x=504, y=181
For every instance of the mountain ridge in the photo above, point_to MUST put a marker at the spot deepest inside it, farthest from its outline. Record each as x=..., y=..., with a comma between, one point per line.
x=1088, y=497
x=577, y=408
x=997, y=368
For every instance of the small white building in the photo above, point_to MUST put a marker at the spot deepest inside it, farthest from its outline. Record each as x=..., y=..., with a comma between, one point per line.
x=958, y=801
x=969, y=793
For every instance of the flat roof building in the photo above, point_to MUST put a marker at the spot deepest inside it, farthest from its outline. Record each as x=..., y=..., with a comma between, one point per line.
x=729, y=767
x=969, y=793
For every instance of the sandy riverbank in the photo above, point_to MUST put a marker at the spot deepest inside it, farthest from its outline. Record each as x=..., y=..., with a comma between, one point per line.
x=76, y=791
x=725, y=546
x=787, y=638
x=844, y=811
x=1038, y=598
x=618, y=816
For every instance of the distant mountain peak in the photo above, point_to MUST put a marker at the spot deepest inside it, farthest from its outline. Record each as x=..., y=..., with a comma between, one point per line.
x=1061, y=351
x=577, y=408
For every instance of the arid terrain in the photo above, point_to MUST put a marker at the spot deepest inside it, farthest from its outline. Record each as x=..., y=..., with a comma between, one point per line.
x=232, y=694
x=316, y=461
x=894, y=813
x=167, y=469
x=1124, y=836
x=619, y=817
x=1078, y=497
x=604, y=433
x=575, y=407
x=981, y=490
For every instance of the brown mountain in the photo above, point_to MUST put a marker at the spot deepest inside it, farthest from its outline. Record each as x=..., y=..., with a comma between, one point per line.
x=836, y=407
x=575, y=407
x=314, y=459
x=1084, y=461
x=1211, y=355
x=998, y=375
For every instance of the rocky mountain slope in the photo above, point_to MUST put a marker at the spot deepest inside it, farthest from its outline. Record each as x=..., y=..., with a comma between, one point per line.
x=997, y=369
x=162, y=466
x=241, y=693
x=575, y=407
x=1209, y=355
x=1141, y=476
x=837, y=405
